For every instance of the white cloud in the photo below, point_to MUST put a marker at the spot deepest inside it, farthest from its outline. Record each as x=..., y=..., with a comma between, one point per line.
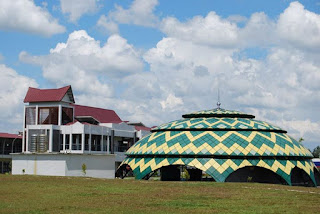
x=209, y=30
x=171, y=102
x=237, y=18
x=106, y=24
x=25, y=16
x=295, y=23
x=77, y=8
x=86, y=65
x=259, y=31
x=302, y=127
x=140, y=12
x=13, y=88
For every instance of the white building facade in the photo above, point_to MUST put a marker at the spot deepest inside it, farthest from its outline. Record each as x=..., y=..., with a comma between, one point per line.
x=64, y=139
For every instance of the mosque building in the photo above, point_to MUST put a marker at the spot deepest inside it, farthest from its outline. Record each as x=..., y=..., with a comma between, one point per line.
x=223, y=146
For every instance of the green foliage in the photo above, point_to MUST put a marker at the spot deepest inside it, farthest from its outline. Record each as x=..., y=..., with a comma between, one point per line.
x=316, y=152
x=300, y=140
x=84, y=169
x=185, y=174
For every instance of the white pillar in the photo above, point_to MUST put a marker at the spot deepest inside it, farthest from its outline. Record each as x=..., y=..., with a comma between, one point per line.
x=60, y=115
x=50, y=139
x=70, y=142
x=101, y=140
x=37, y=114
x=101, y=143
x=24, y=129
x=64, y=142
x=82, y=141
x=27, y=146
x=108, y=143
x=90, y=142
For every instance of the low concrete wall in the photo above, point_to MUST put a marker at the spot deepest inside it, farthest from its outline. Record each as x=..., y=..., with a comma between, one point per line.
x=98, y=166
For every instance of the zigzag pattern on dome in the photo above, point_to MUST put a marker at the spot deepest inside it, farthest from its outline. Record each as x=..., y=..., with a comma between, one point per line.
x=219, y=169
x=229, y=143
x=218, y=123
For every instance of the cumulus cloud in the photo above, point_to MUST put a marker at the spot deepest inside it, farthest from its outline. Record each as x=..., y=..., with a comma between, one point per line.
x=25, y=16
x=210, y=30
x=77, y=8
x=171, y=102
x=295, y=23
x=82, y=62
x=110, y=26
x=13, y=88
x=140, y=12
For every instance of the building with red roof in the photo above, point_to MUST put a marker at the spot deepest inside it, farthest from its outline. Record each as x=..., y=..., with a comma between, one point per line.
x=55, y=128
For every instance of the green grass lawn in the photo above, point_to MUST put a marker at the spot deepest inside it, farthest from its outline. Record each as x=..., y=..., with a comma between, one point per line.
x=42, y=194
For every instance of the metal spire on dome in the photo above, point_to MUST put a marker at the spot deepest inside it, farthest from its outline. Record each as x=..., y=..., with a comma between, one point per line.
x=218, y=103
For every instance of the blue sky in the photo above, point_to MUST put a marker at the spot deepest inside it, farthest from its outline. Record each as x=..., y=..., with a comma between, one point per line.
x=154, y=60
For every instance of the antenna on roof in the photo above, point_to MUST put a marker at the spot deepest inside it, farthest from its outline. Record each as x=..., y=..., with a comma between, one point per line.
x=218, y=103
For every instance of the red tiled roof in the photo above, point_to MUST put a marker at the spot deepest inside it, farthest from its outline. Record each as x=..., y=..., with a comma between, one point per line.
x=47, y=95
x=138, y=128
x=12, y=136
x=102, y=115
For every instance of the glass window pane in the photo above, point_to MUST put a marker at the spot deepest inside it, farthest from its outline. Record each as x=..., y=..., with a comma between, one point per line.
x=67, y=115
x=30, y=117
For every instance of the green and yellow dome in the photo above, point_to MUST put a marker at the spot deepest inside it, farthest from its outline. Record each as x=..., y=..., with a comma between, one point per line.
x=219, y=142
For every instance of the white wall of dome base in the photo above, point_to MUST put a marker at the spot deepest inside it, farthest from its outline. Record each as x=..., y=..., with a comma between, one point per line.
x=50, y=164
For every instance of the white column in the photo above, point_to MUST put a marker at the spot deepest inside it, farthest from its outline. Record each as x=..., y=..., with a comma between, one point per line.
x=37, y=114
x=60, y=115
x=71, y=140
x=90, y=142
x=82, y=141
x=50, y=139
x=27, y=146
x=108, y=143
x=64, y=142
x=101, y=140
x=24, y=129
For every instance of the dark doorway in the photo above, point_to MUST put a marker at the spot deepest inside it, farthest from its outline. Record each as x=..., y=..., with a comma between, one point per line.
x=300, y=178
x=255, y=174
x=317, y=176
x=124, y=171
x=195, y=174
x=170, y=173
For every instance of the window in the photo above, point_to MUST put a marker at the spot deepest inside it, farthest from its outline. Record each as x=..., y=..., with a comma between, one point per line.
x=86, y=142
x=95, y=142
x=61, y=141
x=48, y=115
x=30, y=117
x=67, y=141
x=67, y=115
x=76, y=141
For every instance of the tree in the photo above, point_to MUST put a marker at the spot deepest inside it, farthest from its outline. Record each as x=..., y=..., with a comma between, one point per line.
x=316, y=152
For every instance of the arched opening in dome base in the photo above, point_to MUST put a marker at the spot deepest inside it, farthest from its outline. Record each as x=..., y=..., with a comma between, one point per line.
x=255, y=174
x=300, y=178
x=317, y=176
x=124, y=171
x=178, y=173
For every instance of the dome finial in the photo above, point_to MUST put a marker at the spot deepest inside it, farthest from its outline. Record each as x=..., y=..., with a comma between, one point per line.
x=218, y=103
